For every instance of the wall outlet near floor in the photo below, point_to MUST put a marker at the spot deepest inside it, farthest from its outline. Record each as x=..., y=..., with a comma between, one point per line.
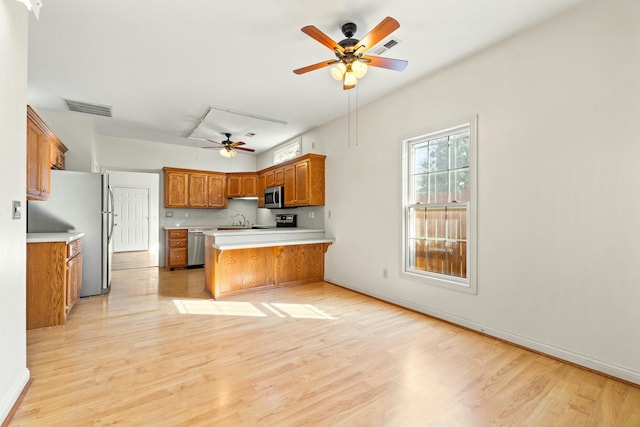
x=385, y=273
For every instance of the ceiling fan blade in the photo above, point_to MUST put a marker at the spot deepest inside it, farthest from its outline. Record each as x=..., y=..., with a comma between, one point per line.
x=389, y=63
x=315, y=66
x=387, y=26
x=235, y=144
x=251, y=150
x=347, y=87
x=324, y=39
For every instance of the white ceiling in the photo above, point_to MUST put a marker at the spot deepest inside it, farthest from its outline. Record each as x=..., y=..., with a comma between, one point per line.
x=161, y=64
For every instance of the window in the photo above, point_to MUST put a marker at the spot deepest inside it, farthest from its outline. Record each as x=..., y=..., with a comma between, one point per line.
x=439, y=226
x=287, y=151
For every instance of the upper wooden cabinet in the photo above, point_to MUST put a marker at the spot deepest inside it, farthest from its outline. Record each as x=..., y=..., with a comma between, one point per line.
x=56, y=154
x=44, y=151
x=216, y=186
x=302, y=178
x=185, y=188
x=242, y=184
x=175, y=188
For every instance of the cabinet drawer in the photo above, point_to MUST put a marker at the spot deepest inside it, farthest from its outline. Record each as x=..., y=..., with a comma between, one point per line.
x=178, y=243
x=177, y=234
x=178, y=257
x=74, y=248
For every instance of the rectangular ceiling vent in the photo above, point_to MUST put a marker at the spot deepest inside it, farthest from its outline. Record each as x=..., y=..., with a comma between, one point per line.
x=85, y=107
x=386, y=46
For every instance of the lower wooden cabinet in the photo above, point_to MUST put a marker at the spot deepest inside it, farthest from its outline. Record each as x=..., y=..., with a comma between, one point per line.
x=176, y=248
x=54, y=281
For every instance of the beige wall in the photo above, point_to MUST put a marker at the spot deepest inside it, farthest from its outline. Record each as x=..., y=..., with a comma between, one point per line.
x=13, y=100
x=557, y=108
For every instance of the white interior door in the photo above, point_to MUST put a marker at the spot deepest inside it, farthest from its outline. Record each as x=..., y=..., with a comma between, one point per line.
x=131, y=226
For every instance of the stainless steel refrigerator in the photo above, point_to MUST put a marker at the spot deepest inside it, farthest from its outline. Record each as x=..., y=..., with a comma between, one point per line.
x=80, y=202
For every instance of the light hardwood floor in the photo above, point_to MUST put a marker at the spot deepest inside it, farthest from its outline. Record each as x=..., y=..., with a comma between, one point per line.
x=135, y=259
x=157, y=351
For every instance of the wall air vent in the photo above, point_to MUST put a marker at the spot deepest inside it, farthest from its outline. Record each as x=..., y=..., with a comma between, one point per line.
x=85, y=107
x=386, y=46
x=250, y=134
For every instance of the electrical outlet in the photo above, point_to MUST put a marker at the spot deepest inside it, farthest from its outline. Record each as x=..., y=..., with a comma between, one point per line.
x=329, y=214
x=385, y=273
x=312, y=215
x=186, y=214
x=168, y=214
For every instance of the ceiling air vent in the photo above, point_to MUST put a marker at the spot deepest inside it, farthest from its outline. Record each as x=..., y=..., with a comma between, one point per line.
x=386, y=46
x=85, y=107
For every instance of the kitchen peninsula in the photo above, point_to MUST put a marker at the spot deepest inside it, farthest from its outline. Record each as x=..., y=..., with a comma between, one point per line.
x=239, y=261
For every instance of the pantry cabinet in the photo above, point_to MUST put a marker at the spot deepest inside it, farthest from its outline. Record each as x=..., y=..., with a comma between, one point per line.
x=54, y=281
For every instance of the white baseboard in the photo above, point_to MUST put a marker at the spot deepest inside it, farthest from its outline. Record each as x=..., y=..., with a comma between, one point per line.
x=557, y=352
x=12, y=394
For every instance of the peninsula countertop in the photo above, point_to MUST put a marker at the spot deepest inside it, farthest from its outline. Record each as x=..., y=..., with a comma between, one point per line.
x=259, y=238
x=53, y=237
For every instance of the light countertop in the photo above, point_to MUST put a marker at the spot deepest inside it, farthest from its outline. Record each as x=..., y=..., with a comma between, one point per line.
x=190, y=227
x=53, y=237
x=260, y=238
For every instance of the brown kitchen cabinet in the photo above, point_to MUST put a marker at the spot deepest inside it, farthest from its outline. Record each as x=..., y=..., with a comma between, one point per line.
x=262, y=184
x=242, y=184
x=176, y=248
x=38, y=157
x=175, y=188
x=216, y=190
x=57, y=152
x=54, y=281
x=304, y=181
x=186, y=188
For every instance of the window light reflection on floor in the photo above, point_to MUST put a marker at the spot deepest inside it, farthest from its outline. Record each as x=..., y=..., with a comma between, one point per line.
x=238, y=308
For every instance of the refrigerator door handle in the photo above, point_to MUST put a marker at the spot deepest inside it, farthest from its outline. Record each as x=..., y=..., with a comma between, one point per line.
x=112, y=214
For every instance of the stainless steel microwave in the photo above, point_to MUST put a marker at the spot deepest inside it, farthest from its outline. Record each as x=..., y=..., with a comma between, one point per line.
x=274, y=197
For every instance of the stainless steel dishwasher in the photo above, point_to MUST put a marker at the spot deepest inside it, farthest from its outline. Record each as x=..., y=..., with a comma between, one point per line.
x=195, y=249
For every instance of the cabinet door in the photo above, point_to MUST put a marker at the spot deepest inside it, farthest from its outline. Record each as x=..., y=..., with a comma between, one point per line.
x=250, y=186
x=302, y=183
x=278, y=177
x=269, y=179
x=234, y=186
x=197, y=190
x=216, y=191
x=37, y=163
x=290, y=185
x=74, y=281
x=261, y=186
x=175, y=190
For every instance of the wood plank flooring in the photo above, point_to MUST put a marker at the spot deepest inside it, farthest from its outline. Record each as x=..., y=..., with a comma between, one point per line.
x=157, y=351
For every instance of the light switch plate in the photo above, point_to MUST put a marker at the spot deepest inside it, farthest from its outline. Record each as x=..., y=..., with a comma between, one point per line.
x=17, y=210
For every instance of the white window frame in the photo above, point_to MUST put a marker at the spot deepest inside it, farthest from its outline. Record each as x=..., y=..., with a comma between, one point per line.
x=287, y=151
x=468, y=284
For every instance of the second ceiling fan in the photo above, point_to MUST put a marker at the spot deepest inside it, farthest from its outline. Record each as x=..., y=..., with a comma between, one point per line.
x=351, y=62
x=229, y=147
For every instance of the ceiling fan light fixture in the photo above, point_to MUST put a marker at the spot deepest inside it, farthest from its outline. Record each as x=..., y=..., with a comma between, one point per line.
x=350, y=79
x=227, y=152
x=338, y=70
x=359, y=69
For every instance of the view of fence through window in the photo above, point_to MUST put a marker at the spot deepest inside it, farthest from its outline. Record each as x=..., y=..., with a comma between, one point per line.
x=438, y=205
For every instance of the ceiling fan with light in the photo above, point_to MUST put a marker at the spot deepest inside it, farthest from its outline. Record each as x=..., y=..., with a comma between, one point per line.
x=229, y=147
x=351, y=62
